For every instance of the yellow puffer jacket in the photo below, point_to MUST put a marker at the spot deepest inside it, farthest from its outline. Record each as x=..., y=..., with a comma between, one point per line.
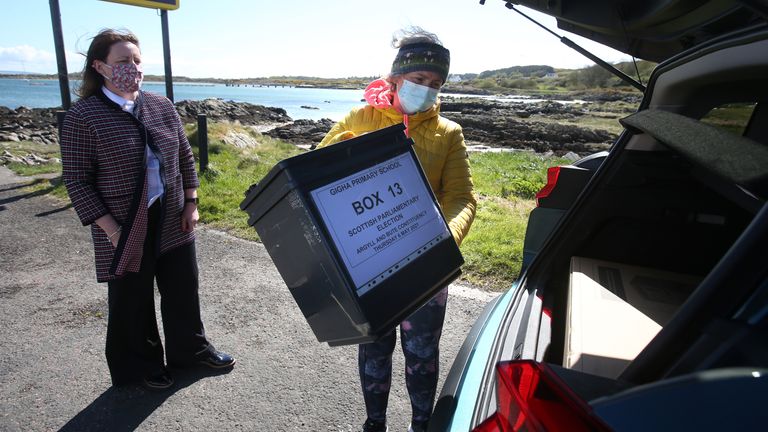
x=439, y=145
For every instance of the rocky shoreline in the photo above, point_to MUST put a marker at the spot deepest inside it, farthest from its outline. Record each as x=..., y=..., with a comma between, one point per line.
x=518, y=126
x=545, y=126
x=220, y=110
x=29, y=124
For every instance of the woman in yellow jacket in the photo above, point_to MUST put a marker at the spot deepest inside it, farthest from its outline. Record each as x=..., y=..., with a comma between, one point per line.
x=409, y=95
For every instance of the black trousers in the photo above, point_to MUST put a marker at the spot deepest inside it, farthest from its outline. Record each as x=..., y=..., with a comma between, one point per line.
x=134, y=349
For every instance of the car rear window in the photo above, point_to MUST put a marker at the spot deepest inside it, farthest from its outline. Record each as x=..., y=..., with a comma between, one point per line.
x=731, y=117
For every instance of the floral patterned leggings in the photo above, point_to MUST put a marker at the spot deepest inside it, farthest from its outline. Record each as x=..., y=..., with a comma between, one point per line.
x=420, y=336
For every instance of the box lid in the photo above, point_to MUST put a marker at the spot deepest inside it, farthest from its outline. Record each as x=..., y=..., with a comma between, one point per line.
x=336, y=160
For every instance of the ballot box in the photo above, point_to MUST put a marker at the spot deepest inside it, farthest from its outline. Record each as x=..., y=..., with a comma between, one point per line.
x=356, y=233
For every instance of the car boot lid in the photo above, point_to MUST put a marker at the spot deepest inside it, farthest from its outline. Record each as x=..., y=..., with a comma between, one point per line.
x=651, y=29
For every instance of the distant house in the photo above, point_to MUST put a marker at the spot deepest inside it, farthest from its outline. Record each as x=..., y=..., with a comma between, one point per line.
x=454, y=78
x=551, y=75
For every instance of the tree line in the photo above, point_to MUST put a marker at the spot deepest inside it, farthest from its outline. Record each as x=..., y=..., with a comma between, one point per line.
x=547, y=78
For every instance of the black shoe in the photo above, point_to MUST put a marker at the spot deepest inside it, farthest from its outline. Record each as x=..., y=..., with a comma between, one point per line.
x=158, y=381
x=375, y=426
x=216, y=359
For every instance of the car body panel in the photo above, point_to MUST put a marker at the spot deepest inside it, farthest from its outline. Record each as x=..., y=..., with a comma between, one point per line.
x=516, y=337
x=691, y=402
x=457, y=414
x=455, y=382
x=541, y=222
x=550, y=209
x=653, y=30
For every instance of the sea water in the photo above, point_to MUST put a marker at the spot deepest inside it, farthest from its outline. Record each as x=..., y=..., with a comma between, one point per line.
x=298, y=102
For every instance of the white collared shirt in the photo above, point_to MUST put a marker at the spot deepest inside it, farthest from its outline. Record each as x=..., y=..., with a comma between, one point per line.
x=155, y=183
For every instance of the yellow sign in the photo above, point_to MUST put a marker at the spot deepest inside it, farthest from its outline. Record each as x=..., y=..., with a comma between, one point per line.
x=154, y=4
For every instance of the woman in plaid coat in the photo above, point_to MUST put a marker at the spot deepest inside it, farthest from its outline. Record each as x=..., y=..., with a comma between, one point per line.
x=129, y=171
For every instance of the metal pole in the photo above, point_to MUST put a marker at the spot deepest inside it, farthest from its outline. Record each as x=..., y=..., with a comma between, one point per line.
x=60, y=121
x=167, y=55
x=61, y=59
x=621, y=75
x=202, y=141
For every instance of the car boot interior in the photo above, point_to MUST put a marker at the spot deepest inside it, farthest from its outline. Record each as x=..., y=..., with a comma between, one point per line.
x=676, y=198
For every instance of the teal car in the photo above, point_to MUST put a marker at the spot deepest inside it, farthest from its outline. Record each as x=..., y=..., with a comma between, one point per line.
x=643, y=304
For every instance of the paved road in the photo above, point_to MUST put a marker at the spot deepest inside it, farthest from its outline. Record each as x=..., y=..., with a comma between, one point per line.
x=53, y=375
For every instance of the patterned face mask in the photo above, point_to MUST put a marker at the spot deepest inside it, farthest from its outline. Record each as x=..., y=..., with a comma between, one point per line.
x=126, y=77
x=416, y=97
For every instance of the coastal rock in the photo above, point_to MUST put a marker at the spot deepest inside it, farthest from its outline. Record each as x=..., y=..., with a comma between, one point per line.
x=240, y=140
x=220, y=110
x=571, y=156
x=40, y=125
x=29, y=124
x=458, y=88
x=510, y=125
x=491, y=123
x=303, y=132
x=9, y=137
x=29, y=159
x=500, y=124
x=609, y=96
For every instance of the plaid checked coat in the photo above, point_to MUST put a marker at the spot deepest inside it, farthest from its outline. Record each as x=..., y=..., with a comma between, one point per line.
x=104, y=171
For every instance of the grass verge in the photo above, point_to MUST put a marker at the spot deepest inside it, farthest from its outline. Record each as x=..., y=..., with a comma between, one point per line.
x=24, y=148
x=505, y=184
x=231, y=171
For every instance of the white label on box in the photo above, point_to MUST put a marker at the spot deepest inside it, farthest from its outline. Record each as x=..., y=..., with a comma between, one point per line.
x=380, y=218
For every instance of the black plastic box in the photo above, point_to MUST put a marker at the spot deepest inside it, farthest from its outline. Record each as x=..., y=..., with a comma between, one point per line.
x=356, y=234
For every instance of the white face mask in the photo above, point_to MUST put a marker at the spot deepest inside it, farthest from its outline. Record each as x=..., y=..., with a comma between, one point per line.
x=416, y=97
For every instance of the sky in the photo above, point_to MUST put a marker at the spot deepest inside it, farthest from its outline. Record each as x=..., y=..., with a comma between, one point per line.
x=260, y=38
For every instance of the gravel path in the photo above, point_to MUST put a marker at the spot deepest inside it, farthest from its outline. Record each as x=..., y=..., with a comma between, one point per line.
x=52, y=324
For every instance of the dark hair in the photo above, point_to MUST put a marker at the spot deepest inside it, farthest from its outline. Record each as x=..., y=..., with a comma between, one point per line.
x=99, y=50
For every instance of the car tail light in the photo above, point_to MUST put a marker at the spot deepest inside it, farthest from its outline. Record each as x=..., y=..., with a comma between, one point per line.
x=552, y=174
x=531, y=397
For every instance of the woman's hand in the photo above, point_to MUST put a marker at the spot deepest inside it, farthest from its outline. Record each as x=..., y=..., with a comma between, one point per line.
x=189, y=217
x=114, y=237
x=111, y=228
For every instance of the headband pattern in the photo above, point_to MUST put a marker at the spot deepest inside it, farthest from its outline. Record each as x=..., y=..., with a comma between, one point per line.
x=422, y=56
